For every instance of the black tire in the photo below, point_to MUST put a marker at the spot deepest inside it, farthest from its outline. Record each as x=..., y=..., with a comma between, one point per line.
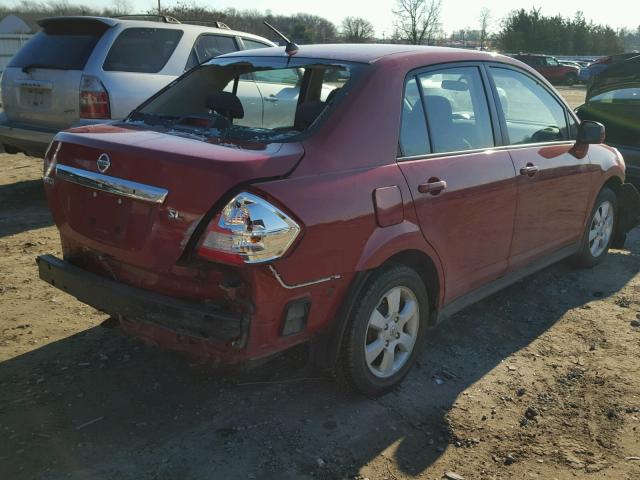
x=570, y=79
x=585, y=258
x=352, y=367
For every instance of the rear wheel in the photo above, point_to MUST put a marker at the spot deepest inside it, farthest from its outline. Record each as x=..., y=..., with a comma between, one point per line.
x=385, y=332
x=600, y=229
x=571, y=79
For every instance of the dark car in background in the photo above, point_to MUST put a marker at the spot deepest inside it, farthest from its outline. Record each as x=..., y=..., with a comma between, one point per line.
x=601, y=64
x=613, y=99
x=551, y=68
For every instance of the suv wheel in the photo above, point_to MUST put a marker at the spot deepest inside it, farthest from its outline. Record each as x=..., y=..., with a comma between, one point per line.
x=600, y=229
x=385, y=332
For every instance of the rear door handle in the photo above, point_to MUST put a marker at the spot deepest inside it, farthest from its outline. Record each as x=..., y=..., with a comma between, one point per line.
x=433, y=187
x=271, y=98
x=529, y=170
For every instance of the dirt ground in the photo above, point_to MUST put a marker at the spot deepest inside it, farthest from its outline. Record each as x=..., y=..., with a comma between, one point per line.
x=539, y=381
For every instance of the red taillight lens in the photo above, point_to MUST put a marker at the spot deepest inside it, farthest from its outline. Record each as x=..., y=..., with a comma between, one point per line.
x=94, y=99
x=248, y=230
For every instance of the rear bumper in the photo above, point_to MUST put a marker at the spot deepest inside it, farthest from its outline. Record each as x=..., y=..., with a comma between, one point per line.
x=32, y=139
x=29, y=140
x=202, y=321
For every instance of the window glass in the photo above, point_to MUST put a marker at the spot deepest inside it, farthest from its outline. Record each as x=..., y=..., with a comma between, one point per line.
x=250, y=44
x=532, y=114
x=145, y=50
x=616, y=96
x=205, y=102
x=457, y=110
x=552, y=62
x=287, y=76
x=209, y=46
x=414, y=139
x=61, y=45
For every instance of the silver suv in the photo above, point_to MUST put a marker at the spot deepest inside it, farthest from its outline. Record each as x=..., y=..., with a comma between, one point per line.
x=84, y=70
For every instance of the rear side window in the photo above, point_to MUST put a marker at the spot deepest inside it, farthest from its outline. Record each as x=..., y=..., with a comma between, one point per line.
x=457, y=110
x=532, y=114
x=208, y=47
x=61, y=45
x=144, y=50
x=414, y=139
x=251, y=44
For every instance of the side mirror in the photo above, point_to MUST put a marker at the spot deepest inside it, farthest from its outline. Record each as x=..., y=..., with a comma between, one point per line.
x=590, y=132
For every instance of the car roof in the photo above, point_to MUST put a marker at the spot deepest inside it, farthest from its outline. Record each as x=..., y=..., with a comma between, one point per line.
x=129, y=22
x=369, y=53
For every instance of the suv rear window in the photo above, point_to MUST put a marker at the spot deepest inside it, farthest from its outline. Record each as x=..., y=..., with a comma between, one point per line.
x=144, y=50
x=61, y=45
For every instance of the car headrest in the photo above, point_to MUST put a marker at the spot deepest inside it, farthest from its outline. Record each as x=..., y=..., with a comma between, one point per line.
x=226, y=104
x=439, y=107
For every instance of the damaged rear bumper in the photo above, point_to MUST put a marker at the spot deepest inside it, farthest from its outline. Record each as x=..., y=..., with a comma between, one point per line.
x=199, y=320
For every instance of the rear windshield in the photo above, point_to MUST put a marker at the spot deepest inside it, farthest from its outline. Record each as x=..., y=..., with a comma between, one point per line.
x=61, y=45
x=144, y=50
x=254, y=99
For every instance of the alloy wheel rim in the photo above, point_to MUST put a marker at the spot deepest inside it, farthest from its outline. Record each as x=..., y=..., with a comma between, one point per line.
x=601, y=229
x=392, y=332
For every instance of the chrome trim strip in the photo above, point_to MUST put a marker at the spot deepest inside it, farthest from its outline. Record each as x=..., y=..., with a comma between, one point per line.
x=484, y=150
x=116, y=186
x=299, y=285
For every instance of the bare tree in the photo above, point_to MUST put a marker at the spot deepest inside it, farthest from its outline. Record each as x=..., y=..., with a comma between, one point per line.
x=357, y=30
x=417, y=21
x=485, y=21
x=121, y=7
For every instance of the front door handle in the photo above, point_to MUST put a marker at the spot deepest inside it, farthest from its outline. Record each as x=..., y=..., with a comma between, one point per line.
x=530, y=170
x=433, y=186
x=271, y=98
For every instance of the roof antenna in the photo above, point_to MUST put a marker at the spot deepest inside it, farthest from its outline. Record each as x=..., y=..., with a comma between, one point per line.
x=291, y=48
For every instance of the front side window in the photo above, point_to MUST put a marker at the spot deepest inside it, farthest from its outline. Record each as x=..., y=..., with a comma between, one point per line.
x=220, y=99
x=551, y=62
x=142, y=50
x=414, y=139
x=531, y=113
x=457, y=110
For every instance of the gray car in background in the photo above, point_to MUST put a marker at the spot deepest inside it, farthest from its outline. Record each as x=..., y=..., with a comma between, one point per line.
x=85, y=70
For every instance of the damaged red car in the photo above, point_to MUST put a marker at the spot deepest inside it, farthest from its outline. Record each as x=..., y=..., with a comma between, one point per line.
x=349, y=197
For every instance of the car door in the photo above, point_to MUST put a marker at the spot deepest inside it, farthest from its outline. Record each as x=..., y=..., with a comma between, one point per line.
x=553, y=184
x=279, y=89
x=463, y=189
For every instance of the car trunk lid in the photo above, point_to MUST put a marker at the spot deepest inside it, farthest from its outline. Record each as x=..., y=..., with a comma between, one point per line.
x=152, y=189
x=41, y=84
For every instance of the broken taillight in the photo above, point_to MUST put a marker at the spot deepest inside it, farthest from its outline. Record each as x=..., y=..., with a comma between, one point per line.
x=248, y=230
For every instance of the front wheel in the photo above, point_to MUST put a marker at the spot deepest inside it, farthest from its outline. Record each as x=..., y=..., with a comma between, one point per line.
x=385, y=332
x=600, y=229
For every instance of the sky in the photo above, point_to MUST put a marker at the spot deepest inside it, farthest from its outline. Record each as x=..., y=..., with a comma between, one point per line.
x=456, y=14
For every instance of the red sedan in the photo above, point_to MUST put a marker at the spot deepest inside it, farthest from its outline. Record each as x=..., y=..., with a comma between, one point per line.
x=374, y=191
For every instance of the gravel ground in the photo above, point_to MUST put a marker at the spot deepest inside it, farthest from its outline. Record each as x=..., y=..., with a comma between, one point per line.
x=539, y=381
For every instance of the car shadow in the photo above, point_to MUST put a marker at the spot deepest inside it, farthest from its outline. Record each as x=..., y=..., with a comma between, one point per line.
x=23, y=207
x=99, y=404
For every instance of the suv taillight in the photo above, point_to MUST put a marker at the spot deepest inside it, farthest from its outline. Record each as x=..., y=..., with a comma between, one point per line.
x=94, y=98
x=248, y=230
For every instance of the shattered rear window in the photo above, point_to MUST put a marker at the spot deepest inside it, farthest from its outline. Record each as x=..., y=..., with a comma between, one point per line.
x=251, y=99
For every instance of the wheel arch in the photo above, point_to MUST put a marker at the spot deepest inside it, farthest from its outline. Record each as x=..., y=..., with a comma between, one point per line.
x=325, y=347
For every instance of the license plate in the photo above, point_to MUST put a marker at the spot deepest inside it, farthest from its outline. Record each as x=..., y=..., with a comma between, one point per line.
x=35, y=98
